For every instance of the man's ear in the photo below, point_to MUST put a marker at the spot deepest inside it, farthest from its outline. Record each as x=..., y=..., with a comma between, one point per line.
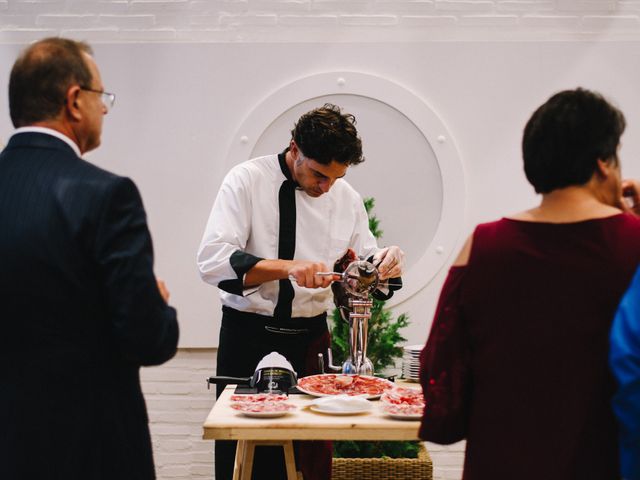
x=72, y=103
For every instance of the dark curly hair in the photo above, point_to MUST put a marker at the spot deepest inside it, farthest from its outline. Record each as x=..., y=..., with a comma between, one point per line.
x=566, y=136
x=325, y=134
x=41, y=76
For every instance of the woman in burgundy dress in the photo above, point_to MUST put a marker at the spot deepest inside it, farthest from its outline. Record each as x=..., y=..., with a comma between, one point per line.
x=516, y=361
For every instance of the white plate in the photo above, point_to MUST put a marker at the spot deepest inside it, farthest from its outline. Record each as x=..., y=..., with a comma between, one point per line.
x=319, y=409
x=400, y=416
x=264, y=414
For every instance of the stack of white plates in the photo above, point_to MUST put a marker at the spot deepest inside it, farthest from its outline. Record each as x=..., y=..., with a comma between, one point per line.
x=411, y=362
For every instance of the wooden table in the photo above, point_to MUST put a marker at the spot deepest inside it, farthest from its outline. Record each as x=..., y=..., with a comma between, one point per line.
x=224, y=423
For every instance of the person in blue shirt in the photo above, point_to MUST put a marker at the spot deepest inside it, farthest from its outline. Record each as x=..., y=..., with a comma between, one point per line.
x=624, y=358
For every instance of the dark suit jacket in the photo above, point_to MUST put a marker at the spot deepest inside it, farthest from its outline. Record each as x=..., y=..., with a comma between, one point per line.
x=80, y=312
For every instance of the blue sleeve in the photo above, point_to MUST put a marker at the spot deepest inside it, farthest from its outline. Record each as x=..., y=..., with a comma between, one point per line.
x=624, y=358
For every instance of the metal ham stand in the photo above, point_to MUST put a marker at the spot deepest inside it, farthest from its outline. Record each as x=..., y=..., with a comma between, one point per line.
x=359, y=280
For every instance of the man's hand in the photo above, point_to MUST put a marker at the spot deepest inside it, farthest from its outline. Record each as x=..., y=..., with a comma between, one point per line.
x=164, y=291
x=304, y=273
x=390, y=262
x=631, y=196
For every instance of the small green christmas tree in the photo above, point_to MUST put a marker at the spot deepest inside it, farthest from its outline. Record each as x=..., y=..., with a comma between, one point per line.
x=382, y=350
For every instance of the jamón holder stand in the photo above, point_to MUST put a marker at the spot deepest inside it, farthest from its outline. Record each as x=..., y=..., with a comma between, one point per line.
x=360, y=279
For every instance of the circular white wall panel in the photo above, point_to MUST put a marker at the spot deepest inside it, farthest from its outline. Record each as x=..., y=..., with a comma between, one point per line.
x=412, y=167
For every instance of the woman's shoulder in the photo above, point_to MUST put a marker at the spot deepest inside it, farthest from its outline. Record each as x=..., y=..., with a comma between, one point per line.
x=496, y=230
x=623, y=229
x=481, y=230
x=508, y=232
x=627, y=220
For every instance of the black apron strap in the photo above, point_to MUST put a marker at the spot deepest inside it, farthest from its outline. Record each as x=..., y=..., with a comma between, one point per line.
x=286, y=237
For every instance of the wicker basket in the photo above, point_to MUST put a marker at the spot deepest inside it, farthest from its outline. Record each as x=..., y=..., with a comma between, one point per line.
x=419, y=468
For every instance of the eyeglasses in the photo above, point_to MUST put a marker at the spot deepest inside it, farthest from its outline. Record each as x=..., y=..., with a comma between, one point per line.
x=108, y=99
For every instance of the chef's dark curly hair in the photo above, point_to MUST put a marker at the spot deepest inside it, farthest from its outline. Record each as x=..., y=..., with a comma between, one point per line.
x=567, y=135
x=326, y=134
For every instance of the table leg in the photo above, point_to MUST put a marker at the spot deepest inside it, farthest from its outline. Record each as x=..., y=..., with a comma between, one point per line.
x=243, y=467
x=290, y=460
x=247, y=460
x=237, y=465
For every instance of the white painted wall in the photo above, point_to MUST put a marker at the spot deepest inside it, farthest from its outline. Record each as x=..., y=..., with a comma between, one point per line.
x=181, y=107
x=482, y=65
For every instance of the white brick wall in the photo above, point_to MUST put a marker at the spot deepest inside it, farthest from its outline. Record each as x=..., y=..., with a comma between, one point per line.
x=317, y=20
x=178, y=402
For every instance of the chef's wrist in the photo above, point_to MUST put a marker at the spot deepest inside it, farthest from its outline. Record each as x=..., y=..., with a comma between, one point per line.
x=286, y=267
x=267, y=270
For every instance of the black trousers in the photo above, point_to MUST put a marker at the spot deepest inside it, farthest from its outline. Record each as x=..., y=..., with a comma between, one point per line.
x=245, y=338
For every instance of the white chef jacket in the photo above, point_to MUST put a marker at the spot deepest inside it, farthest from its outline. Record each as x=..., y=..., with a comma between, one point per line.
x=244, y=227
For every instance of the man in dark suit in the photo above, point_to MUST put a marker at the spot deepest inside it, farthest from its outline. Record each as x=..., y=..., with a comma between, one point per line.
x=80, y=308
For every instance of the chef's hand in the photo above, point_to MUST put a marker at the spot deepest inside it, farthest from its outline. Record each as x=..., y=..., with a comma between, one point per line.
x=304, y=273
x=164, y=291
x=631, y=196
x=389, y=261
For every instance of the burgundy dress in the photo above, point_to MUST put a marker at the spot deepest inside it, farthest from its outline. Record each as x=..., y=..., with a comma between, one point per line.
x=531, y=313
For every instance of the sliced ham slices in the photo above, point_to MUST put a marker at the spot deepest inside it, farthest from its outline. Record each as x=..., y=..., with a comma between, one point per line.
x=340, y=384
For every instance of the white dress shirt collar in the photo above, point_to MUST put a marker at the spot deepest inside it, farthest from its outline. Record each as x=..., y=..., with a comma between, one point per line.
x=52, y=132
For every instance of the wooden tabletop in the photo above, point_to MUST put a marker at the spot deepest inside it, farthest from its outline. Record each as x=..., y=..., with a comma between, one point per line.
x=224, y=423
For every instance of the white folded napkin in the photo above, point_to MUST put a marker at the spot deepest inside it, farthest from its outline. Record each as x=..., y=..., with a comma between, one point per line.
x=342, y=403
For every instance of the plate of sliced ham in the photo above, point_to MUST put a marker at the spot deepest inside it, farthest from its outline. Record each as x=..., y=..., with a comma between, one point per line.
x=403, y=403
x=403, y=412
x=263, y=409
x=262, y=405
x=342, y=384
x=259, y=397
